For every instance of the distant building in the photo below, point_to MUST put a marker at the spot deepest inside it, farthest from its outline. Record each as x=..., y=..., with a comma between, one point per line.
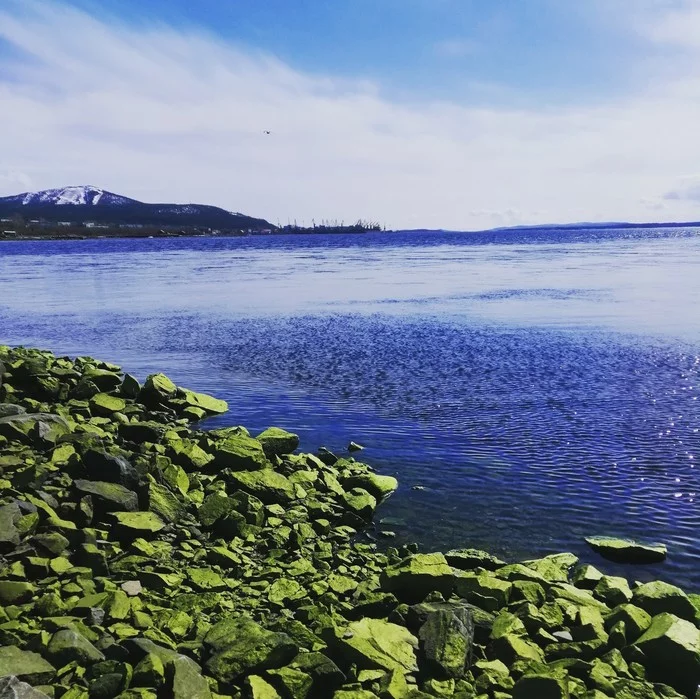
x=64, y=223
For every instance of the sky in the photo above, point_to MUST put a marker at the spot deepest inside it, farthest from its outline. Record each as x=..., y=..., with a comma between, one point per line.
x=455, y=114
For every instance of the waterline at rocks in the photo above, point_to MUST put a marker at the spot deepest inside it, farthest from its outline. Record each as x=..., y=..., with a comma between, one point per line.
x=142, y=557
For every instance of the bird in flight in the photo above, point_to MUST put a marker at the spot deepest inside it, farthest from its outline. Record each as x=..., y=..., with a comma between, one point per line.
x=267, y=132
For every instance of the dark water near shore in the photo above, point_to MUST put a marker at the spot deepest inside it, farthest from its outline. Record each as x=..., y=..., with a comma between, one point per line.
x=540, y=386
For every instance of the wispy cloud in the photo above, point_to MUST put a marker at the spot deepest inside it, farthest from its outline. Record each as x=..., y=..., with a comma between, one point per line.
x=457, y=48
x=161, y=114
x=687, y=190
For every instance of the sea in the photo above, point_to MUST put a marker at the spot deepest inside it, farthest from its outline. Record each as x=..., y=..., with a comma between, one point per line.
x=528, y=388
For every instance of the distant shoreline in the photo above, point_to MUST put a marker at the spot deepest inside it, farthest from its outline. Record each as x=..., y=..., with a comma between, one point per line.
x=76, y=233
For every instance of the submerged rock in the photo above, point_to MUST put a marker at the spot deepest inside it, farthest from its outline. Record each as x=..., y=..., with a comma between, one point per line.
x=626, y=550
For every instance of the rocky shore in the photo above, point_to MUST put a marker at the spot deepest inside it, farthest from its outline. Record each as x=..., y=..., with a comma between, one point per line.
x=142, y=557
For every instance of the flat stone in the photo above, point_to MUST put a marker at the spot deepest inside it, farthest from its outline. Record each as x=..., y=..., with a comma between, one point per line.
x=132, y=587
x=138, y=522
x=375, y=643
x=627, y=550
x=266, y=484
x=25, y=665
x=209, y=404
x=111, y=496
x=468, y=559
x=105, y=405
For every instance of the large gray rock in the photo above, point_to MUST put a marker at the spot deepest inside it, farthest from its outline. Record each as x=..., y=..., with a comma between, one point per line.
x=13, y=688
x=103, y=466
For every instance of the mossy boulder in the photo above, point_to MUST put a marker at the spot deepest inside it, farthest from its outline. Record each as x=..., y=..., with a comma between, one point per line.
x=278, y=442
x=157, y=390
x=417, y=575
x=209, y=404
x=133, y=524
x=110, y=497
x=672, y=649
x=446, y=640
x=101, y=465
x=267, y=485
x=240, y=452
x=27, y=666
x=658, y=597
x=68, y=646
x=379, y=487
x=239, y=646
x=379, y=644
x=105, y=405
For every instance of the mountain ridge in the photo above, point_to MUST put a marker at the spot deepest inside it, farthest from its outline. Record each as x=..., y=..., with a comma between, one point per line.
x=87, y=203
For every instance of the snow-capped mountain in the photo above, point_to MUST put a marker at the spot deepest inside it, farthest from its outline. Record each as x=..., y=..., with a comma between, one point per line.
x=80, y=195
x=83, y=203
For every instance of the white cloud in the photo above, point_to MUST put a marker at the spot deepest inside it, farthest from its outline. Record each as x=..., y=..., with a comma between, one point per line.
x=160, y=114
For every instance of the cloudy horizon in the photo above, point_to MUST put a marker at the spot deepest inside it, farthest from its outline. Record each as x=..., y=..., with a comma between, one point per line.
x=460, y=118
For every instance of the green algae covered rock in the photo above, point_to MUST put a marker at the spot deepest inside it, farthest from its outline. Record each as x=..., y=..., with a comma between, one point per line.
x=378, y=644
x=267, y=485
x=105, y=405
x=672, y=649
x=277, y=442
x=157, y=390
x=209, y=404
x=380, y=487
x=626, y=550
x=417, y=575
x=27, y=666
x=240, y=452
x=67, y=646
x=240, y=645
x=256, y=687
x=110, y=496
x=446, y=640
x=658, y=597
x=137, y=523
x=468, y=559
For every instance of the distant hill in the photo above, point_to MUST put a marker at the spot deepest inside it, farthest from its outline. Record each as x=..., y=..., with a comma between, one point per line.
x=85, y=203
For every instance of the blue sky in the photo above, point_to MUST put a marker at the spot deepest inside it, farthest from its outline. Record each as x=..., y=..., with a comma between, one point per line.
x=437, y=113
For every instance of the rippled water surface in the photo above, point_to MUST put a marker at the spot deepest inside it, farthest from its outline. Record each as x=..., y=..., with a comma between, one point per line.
x=538, y=386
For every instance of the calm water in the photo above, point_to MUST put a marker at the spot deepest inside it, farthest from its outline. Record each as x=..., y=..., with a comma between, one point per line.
x=539, y=386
